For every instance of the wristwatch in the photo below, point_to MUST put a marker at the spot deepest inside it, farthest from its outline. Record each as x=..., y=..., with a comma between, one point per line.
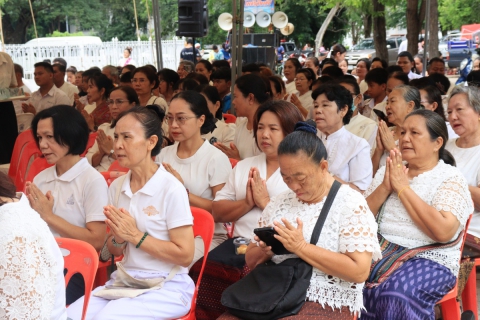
x=111, y=153
x=118, y=245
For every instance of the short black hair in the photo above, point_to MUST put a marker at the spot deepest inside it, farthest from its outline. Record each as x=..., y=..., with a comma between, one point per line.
x=436, y=59
x=377, y=75
x=440, y=81
x=47, y=66
x=198, y=105
x=334, y=72
x=406, y=54
x=70, y=128
x=251, y=67
x=394, y=68
x=18, y=69
x=189, y=41
x=169, y=76
x=253, y=84
x=61, y=61
x=383, y=62
x=206, y=64
x=126, y=77
x=220, y=64
x=338, y=94
x=212, y=94
x=350, y=80
x=198, y=77
x=222, y=74
x=399, y=75
x=367, y=62
x=329, y=61
x=149, y=73
x=90, y=73
x=60, y=67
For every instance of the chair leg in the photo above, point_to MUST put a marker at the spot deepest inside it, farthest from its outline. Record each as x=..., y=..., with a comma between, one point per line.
x=469, y=294
x=450, y=310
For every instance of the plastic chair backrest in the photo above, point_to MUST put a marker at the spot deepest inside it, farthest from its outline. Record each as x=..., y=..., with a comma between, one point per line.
x=110, y=176
x=115, y=166
x=22, y=140
x=79, y=257
x=30, y=153
x=38, y=165
x=203, y=226
x=229, y=118
x=233, y=162
x=24, y=120
x=91, y=141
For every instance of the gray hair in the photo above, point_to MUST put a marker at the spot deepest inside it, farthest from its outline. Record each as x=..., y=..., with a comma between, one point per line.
x=410, y=93
x=112, y=69
x=188, y=65
x=472, y=94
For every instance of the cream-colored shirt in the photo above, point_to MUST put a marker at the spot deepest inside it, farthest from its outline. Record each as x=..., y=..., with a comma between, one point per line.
x=53, y=97
x=69, y=90
x=7, y=72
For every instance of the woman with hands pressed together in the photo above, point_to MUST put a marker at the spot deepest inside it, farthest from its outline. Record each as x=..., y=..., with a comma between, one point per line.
x=199, y=166
x=99, y=87
x=426, y=204
x=70, y=195
x=347, y=244
x=101, y=155
x=151, y=224
x=401, y=101
x=302, y=98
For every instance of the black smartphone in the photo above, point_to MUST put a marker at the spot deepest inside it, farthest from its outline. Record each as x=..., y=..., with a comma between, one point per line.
x=381, y=115
x=266, y=235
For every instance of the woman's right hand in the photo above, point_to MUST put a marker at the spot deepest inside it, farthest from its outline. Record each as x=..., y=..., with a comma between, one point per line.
x=249, y=200
x=386, y=183
x=267, y=250
x=386, y=136
x=105, y=143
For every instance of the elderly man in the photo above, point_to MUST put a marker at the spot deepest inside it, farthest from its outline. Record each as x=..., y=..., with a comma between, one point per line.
x=112, y=73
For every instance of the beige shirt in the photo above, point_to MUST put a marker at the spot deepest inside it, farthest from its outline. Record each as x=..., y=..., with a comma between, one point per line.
x=7, y=72
x=69, y=90
x=53, y=97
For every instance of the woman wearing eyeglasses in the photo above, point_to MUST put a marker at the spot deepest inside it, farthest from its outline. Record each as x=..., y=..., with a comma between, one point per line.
x=302, y=98
x=198, y=165
x=101, y=154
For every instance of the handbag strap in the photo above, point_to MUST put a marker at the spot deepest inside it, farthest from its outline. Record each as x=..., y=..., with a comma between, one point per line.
x=324, y=213
x=119, y=189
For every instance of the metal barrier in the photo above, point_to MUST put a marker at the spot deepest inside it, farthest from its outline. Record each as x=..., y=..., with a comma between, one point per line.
x=85, y=56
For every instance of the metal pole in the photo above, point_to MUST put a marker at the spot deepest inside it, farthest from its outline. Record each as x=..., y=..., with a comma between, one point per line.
x=427, y=35
x=158, y=33
x=240, y=37
x=233, y=47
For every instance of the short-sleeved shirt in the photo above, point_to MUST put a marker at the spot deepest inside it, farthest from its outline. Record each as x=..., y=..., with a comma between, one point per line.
x=54, y=97
x=69, y=90
x=159, y=206
x=245, y=140
x=79, y=194
x=187, y=54
x=106, y=161
x=7, y=71
x=223, y=133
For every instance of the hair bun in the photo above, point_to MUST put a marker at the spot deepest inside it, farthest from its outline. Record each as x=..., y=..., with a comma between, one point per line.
x=305, y=127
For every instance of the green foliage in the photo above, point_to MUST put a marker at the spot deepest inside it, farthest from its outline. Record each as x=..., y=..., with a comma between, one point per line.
x=64, y=34
x=454, y=14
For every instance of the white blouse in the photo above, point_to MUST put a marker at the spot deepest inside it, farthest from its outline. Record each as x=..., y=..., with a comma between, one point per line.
x=290, y=87
x=365, y=128
x=236, y=189
x=224, y=133
x=443, y=188
x=306, y=100
x=106, y=161
x=348, y=157
x=245, y=140
x=31, y=266
x=350, y=226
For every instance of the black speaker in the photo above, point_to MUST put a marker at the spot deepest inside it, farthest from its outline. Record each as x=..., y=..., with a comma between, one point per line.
x=265, y=55
x=261, y=39
x=192, y=18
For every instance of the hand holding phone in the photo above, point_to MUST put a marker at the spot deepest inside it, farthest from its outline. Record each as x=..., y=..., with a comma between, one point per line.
x=266, y=235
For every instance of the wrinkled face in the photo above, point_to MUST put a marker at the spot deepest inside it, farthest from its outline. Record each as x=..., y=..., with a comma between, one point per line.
x=327, y=116
x=276, y=95
x=183, y=123
x=463, y=118
x=375, y=90
x=405, y=64
x=269, y=133
x=42, y=77
x=424, y=101
x=415, y=142
x=118, y=102
x=344, y=66
x=58, y=76
x=182, y=71
x=141, y=84
x=200, y=68
x=397, y=108
x=51, y=149
x=362, y=69
x=289, y=70
x=309, y=64
x=302, y=84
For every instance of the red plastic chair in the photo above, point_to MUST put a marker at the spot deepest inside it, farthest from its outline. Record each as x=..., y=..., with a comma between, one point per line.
x=233, y=162
x=203, y=226
x=449, y=304
x=115, y=166
x=469, y=294
x=30, y=152
x=38, y=165
x=80, y=258
x=22, y=140
x=91, y=141
x=229, y=118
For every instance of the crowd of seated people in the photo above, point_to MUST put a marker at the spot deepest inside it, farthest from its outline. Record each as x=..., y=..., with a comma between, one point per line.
x=403, y=147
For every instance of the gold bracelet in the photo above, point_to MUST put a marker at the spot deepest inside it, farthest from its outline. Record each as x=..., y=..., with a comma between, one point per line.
x=402, y=190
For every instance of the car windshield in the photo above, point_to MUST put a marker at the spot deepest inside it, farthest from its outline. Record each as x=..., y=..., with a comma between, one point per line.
x=365, y=44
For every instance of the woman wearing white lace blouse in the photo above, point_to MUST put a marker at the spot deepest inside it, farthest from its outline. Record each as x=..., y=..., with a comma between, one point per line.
x=347, y=244
x=348, y=155
x=31, y=264
x=199, y=166
x=424, y=204
x=464, y=116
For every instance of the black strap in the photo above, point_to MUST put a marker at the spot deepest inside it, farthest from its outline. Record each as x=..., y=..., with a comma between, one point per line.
x=324, y=213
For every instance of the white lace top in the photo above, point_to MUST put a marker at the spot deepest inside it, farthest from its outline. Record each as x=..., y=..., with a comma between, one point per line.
x=32, y=285
x=443, y=188
x=350, y=226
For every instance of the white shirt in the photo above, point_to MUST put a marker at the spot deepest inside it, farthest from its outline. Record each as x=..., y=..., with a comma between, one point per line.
x=159, y=206
x=365, y=128
x=18, y=103
x=7, y=72
x=106, y=161
x=467, y=162
x=53, y=97
x=370, y=105
x=403, y=46
x=290, y=87
x=412, y=75
x=69, y=90
x=79, y=194
x=451, y=132
x=306, y=101
x=349, y=212
x=207, y=168
x=348, y=157
x=244, y=139
x=363, y=86
x=224, y=133
x=36, y=277
x=443, y=188
x=236, y=186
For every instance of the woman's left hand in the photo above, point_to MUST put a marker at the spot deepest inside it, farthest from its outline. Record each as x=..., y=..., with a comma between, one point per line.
x=259, y=189
x=173, y=171
x=89, y=118
x=291, y=237
x=386, y=135
x=39, y=202
x=398, y=172
x=121, y=224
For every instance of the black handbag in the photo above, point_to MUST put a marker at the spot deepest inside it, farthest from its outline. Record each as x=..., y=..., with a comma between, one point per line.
x=273, y=291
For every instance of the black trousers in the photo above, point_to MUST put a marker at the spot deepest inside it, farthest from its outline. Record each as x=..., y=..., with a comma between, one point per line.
x=8, y=131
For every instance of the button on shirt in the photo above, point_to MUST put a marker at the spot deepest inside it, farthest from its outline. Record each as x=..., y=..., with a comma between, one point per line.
x=53, y=97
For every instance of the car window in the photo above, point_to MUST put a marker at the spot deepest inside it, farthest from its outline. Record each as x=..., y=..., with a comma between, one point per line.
x=290, y=47
x=392, y=43
x=365, y=44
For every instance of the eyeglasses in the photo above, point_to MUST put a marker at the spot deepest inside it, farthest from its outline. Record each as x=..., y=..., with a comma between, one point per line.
x=116, y=101
x=141, y=80
x=300, y=79
x=178, y=120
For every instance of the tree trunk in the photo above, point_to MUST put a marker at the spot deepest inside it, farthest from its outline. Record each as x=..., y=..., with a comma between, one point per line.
x=323, y=28
x=415, y=17
x=367, y=25
x=17, y=34
x=432, y=50
x=380, y=30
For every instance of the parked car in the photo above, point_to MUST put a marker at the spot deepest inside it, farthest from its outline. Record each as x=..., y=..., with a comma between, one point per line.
x=366, y=49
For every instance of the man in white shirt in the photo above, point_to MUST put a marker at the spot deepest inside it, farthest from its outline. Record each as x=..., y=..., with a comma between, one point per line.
x=19, y=76
x=59, y=71
x=376, y=80
x=48, y=95
x=405, y=60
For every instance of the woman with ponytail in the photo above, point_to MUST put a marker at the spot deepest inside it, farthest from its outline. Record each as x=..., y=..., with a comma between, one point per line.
x=422, y=207
x=199, y=166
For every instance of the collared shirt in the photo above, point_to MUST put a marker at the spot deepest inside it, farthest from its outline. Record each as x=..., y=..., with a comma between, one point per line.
x=412, y=75
x=7, y=72
x=370, y=105
x=54, y=97
x=69, y=90
x=365, y=128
